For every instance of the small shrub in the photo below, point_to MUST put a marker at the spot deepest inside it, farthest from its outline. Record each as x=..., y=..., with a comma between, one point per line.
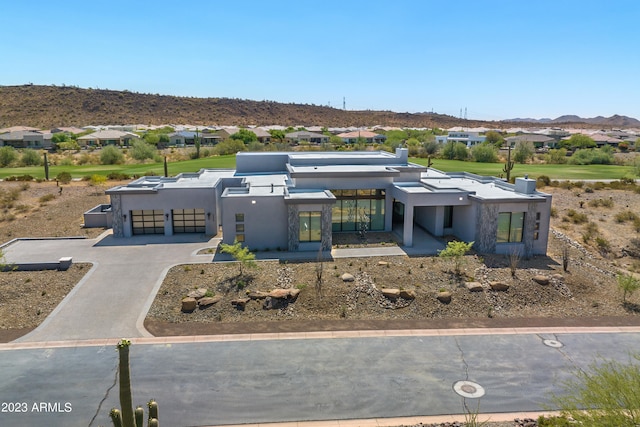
x=24, y=186
x=626, y=215
x=543, y=181
x=576, y=218
x=64, y=177
x=588, y=190
x=46, y=198
x=118, y=176
x=603, y=245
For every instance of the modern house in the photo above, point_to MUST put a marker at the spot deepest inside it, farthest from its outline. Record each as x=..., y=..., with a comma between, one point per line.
x=298, y=201
x=467, y=138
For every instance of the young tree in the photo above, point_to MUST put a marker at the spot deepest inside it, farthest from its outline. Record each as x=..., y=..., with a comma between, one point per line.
x=456, y=251
x=277, y=135
x=494, y=138
x=523, y=151
x=579, y=141
x=604, y=395
x=628, y=284
x=241, y=254
x=141, y=150
x=455, y=150
x=244, y=135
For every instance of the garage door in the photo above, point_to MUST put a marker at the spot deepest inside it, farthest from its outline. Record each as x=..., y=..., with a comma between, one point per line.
x=188, y=220
x=147, y=221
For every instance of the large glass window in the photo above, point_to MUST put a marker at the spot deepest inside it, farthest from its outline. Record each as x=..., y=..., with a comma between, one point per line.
x=510, y=227
x=355, y=209
x=310, y=226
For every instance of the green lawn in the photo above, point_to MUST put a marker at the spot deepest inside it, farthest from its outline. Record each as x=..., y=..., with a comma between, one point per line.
x=175, y=168
x=573, y=172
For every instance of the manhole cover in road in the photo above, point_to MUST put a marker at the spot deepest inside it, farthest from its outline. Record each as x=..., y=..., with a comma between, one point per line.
x=468, y=389
x=552, y=343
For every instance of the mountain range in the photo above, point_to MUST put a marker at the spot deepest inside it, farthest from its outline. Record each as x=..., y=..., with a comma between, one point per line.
x=56, y=106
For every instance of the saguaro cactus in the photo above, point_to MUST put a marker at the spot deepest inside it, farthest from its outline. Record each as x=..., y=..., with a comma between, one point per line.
x=128, y=417
x=509, y=165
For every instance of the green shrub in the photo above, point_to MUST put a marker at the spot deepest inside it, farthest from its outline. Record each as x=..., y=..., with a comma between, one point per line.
x=19, y=178
x=543, y=181
x=8, y=155
x=30, y=157
x=111, y=155
x=141, y=151
x=484, y=153
x=64, y=177
x=118, y=176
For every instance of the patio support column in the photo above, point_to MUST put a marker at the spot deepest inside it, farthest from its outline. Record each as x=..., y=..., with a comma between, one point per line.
x=407, y=229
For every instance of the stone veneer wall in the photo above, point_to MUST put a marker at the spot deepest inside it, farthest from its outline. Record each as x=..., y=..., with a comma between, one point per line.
x=486, y=227
x=116, y=208
x=327, y=228
x=293, y=227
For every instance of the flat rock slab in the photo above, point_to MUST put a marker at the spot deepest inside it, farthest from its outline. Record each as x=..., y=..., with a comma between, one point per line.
x=390, y=293
x=208, y=301
x=198, y=293
x=407, y=294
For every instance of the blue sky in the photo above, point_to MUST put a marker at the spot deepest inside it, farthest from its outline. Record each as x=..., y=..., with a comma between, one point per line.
x=497, y=59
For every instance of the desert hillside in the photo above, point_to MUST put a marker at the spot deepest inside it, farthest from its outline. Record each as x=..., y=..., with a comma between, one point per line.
x=55, y=106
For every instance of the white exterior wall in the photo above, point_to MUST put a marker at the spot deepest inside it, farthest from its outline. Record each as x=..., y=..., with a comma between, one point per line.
x=464, y=222
x=345, y=183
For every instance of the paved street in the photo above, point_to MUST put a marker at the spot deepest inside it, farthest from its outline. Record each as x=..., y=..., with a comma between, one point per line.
x=259, y=381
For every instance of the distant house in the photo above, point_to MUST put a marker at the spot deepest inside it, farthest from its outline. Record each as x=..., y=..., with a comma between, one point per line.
x=538, y=141
x=182, y=138
x=26, y=139
x=68, y=130
x=467, y=138
x=602, y=140
x=102, y=138
x=307, y=137
x=367, y=136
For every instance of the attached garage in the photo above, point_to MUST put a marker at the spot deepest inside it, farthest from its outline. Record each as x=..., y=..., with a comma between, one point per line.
x=188, y=220
x=147, y=221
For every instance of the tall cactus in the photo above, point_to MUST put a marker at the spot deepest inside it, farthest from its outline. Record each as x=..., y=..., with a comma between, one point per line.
x=126, y=401
x=128, y=417
x=509, y=165
x=46, y=167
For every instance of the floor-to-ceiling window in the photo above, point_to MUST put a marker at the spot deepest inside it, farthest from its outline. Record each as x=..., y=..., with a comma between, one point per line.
x=356, y=209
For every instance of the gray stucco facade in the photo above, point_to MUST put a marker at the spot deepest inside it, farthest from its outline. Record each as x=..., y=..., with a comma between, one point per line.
x=297, y=201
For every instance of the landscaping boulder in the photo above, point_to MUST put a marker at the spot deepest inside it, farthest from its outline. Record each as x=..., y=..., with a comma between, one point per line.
x=390, y=293
x=383, y=263
x=444, y=297
x=559, y=277
x=541, y=280
x=407, y=294
x=189, y=304
x=197, y=293
x=208, y=301
x=240, y=303
x=474, y=286
x=346, y=277
x=499, y=286
x=271, y=303
x=257, y=295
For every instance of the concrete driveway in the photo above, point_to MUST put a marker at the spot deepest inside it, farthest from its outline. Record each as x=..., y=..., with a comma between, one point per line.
x=115, y=295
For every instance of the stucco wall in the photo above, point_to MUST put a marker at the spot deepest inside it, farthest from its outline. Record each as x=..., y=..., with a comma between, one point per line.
x=265, y=221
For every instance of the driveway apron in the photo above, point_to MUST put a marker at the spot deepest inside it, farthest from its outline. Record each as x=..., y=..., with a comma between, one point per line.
x=117, y=291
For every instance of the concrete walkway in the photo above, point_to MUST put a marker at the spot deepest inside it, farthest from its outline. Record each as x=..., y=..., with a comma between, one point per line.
x=113, y=298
